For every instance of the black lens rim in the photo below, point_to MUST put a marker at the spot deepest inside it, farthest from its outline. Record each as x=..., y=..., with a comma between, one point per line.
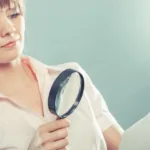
x=58, y=85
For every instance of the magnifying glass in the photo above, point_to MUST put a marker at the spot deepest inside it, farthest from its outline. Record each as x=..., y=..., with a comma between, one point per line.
x=66, y=93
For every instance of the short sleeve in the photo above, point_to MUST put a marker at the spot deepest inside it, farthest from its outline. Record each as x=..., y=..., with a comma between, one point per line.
x=103, y=116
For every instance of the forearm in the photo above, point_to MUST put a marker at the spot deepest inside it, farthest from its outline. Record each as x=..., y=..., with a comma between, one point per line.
x=113, y=137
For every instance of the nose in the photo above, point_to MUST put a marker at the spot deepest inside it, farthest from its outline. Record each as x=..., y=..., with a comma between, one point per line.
x=6, y=27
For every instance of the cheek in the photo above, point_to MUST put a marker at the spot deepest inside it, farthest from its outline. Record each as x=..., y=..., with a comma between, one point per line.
x=19, y=25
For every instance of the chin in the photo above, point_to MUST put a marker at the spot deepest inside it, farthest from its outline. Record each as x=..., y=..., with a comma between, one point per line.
x=9, y=56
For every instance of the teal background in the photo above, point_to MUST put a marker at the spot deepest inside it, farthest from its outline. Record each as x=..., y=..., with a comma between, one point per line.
x=109, y=39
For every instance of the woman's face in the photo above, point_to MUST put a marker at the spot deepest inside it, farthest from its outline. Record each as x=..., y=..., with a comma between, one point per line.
x=12, y=28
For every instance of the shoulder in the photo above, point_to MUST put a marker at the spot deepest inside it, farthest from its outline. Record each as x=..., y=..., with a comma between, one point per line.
x=39, y=66
x=61, y=67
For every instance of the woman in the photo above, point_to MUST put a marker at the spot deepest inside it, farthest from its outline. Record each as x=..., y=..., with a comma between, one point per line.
x=25, y=121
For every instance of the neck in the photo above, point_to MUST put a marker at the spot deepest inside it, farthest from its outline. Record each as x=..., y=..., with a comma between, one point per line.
x=11, y=71
x=8, y=68
x=14, y=76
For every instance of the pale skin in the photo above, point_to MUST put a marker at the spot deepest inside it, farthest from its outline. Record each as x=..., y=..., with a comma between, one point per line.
x=12, y=72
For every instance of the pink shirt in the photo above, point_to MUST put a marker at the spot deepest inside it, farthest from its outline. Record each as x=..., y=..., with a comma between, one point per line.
x=18, y=125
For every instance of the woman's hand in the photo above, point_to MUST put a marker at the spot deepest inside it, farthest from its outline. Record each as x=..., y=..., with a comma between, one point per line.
x=51, y=136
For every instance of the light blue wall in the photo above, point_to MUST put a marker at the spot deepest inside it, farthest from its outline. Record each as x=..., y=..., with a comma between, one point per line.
x=109, y=39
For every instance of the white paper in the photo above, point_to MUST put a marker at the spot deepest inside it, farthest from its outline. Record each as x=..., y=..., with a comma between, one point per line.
x=137, y=137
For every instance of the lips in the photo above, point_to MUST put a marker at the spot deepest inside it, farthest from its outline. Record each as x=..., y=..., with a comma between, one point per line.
x=9, y=44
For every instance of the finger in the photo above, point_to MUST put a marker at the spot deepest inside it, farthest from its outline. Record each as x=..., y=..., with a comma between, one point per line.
x=53, y=126
x=61, y=144
x=54, y=136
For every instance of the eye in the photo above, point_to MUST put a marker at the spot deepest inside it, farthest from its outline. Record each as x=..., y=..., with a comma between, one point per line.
x=13, y=16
